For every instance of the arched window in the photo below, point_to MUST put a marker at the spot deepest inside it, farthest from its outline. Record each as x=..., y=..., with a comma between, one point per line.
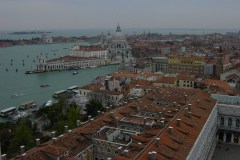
x=237, y=123
x=229, y=122
x=221, y=121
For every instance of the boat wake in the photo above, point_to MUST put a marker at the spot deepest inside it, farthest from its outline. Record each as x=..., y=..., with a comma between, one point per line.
x=16, y=95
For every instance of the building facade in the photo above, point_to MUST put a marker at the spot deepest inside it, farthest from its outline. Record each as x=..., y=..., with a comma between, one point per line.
x=67, y=62
x=159, y=64
x=118, y=48
x=96, y=51
x=186, y=64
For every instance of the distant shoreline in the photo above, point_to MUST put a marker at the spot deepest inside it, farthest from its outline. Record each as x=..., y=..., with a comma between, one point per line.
x=30, y=32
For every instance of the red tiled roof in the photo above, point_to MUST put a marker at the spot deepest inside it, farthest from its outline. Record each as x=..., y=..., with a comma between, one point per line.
x=166, y=80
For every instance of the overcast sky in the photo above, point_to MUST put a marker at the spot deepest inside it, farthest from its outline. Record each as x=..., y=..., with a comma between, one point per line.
x=85, y=14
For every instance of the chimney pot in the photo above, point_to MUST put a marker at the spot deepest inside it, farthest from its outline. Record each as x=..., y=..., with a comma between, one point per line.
x=99, y=112
x=53, y=134
x=22, y=149
x=178, y=122
x=125, y=152
x=161, y=123
x=4, y=157
x=158, y=141
x=170, y=130
x=89, y=117
x=189, y=106
x=37, y=142
x=78, y=123
x=66, y=129
x=24, y=156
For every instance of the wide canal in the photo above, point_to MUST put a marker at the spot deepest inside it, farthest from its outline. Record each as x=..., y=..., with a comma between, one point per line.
x=16, y=87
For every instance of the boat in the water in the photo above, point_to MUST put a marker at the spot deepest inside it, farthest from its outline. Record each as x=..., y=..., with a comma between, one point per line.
x=49, y=103
x=74, y=73
x=44, y=85
x=28, y=72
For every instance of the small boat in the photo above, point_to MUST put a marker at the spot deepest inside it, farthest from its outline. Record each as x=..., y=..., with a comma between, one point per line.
x=28, y=72
x=49, y=103
x=44, y=85
x=75, y=73
x=54, y=49
x=16, y=70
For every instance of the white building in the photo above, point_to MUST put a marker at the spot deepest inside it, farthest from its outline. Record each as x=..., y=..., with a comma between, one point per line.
x=96, y=51
x=119, y=50
x=68, y=62
x=46, y=39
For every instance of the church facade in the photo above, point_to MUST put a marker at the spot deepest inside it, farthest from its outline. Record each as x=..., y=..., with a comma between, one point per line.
x=118, y=49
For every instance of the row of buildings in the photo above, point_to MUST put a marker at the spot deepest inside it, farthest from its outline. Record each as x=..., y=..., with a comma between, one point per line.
x=111, y=50
x=190, y=64
x=147, y=117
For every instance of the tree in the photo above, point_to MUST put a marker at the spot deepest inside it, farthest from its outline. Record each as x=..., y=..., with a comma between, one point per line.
x=73, y=115
x=22, y=135
x=93, y=106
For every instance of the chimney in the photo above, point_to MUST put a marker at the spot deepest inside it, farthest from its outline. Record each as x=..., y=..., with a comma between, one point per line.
x=125, y=153
x=157, y=142
x=189, y=114
x=163, y=110
x=4, y=157
x=22, y=149
x=78, y=123
x=98, y=112
x=139, y=144
x=170, y=130
x=65, y=129
x=169, y=112
x=152, y=155
x=179, y=106
x=190, y=106
x=160, y=114
x=109, y=158
x=53, y=134
x=185, y=97
x=174, y=104
x=198, y=101
x=162, y=123
x=178, y=122
x=23, y=156
x=37, y=142
x=89, y=117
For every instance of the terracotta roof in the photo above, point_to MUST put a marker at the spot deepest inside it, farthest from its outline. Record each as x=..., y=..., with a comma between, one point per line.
x=217, y=83
x=70, y=59
x=124, y=74
x=166, y=80
x=185, y=77
x=92, y=86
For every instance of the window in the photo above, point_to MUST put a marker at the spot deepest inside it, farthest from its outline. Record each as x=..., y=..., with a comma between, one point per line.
x=229, y=122
x=237, y=123
x=221, y=121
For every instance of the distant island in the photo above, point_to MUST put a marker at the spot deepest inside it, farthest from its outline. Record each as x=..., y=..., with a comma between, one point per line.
x=31, y=32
